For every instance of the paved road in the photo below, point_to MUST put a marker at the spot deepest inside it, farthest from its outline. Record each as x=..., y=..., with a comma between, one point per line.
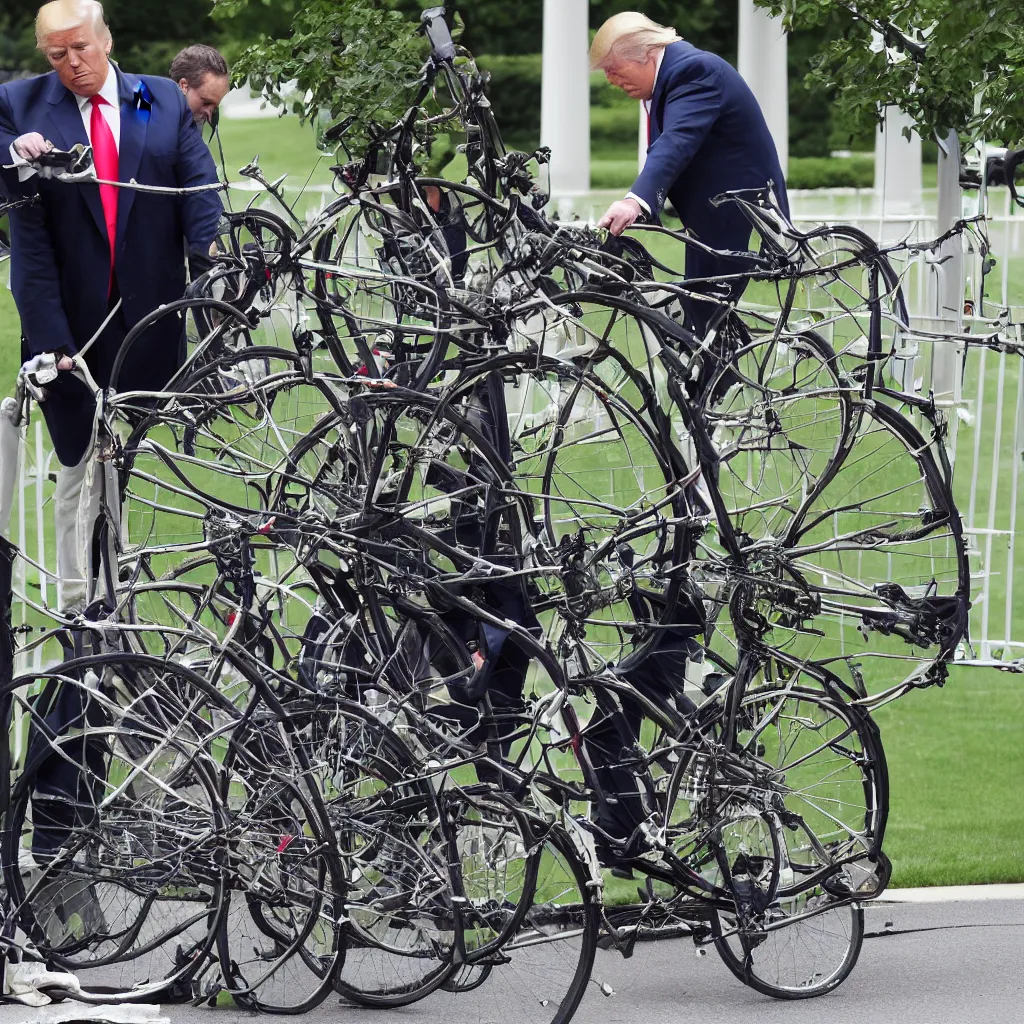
x=922, y=964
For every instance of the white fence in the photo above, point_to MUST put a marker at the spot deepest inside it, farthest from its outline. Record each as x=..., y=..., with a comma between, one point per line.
x=980, y=390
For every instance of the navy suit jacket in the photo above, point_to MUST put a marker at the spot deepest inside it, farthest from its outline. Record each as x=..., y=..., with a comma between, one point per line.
x=60, y=261
x=708, y=136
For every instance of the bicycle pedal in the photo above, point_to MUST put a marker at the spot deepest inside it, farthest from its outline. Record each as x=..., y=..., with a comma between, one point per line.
x=496, y=959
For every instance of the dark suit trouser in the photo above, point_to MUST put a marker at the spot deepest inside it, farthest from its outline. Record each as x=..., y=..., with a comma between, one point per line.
x=70, y=406
x=702, y=265
x=69, y=772
x=658, y=675
x=150, y=363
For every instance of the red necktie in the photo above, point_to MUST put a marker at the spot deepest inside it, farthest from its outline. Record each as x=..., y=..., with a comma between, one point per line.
x=104, y=155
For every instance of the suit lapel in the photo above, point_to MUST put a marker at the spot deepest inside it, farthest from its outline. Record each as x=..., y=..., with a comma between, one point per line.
x=133, y=142
x=657, y=105
x=68, y=129
x=668, y=61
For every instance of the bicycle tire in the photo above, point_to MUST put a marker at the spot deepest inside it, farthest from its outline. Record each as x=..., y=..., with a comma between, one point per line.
x=751, y=967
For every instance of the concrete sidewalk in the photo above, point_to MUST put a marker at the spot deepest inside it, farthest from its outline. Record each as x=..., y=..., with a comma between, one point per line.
x=935, y=956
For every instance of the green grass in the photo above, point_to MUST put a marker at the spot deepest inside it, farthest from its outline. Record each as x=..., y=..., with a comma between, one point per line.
x=283, y=145
x=956, y=770
x=10, y=337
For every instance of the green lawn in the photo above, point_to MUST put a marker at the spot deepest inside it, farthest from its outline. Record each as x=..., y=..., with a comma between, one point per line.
x=956, y=768
x=956, y=774
x=10, y=334
x=955, y=758
x=283, y=146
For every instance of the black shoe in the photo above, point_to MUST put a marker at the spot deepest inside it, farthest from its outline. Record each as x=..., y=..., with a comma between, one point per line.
x=616, y=859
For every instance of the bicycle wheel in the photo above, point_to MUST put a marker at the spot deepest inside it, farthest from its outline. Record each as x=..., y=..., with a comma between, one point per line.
x=836, y=269
x=195, y=603
x=113, y=842
x=541, y=972
x=872, y=579
x=878, y=565
x=224, y=443
x=821, y=773
x=387, y=831
x=377, y=272
x=779, y=416
x=817, y=765
x=281, y=940
x=207, y=327
x=602, y=491
x=498, y=868
x=804, y=950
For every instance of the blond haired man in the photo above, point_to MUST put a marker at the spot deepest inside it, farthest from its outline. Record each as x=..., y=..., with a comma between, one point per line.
x=87, y=254
x=706, y=136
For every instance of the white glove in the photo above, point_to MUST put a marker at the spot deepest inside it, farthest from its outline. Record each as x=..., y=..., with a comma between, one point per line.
x=42, y=366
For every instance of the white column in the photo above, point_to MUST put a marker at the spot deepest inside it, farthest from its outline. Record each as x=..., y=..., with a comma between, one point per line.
x=948, y=279
x=565, y=95
x=762, y=63
x=897, y=165
x=949, y=293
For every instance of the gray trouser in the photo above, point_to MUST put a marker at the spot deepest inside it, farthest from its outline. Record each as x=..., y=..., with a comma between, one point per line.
x=75, y=508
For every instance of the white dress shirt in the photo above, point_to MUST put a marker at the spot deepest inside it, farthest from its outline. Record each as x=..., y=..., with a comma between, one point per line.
x=646, y=104
x=111, y=110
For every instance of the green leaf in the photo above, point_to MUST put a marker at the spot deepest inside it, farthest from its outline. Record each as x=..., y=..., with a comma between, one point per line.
x=938, y=56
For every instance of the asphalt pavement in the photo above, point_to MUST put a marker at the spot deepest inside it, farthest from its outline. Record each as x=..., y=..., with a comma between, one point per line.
x=922, y=963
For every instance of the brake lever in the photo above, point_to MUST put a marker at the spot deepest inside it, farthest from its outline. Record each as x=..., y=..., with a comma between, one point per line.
x=37, y=372
x=75, y=164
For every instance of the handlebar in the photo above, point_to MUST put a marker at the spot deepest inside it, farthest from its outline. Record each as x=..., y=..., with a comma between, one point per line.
x=42, y=370
x=59, y=163
x=76, y=165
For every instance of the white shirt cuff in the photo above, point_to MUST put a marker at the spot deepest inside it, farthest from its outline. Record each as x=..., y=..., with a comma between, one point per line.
x=643, y=205
x=24, y=171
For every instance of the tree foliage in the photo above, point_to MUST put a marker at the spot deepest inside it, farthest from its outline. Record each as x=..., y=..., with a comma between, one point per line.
x=949, y=64
x=339, y=58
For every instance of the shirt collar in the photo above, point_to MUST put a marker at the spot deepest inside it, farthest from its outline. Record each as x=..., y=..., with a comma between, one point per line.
x=108, y=91
x=657, y=71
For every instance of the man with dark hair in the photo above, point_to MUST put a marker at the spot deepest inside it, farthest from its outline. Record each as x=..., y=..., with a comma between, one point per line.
x=202, y=75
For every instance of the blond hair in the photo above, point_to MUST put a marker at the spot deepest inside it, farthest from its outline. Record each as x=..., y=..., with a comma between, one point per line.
x=629, y=36
x=63, y=15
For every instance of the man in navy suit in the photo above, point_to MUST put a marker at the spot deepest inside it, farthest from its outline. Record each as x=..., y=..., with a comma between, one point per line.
x=84, y=252
x=707, y=136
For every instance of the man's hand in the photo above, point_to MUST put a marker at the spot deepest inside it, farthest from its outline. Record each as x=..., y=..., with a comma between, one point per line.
x=31, y=146
x=620, y=215
x=65, y=362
